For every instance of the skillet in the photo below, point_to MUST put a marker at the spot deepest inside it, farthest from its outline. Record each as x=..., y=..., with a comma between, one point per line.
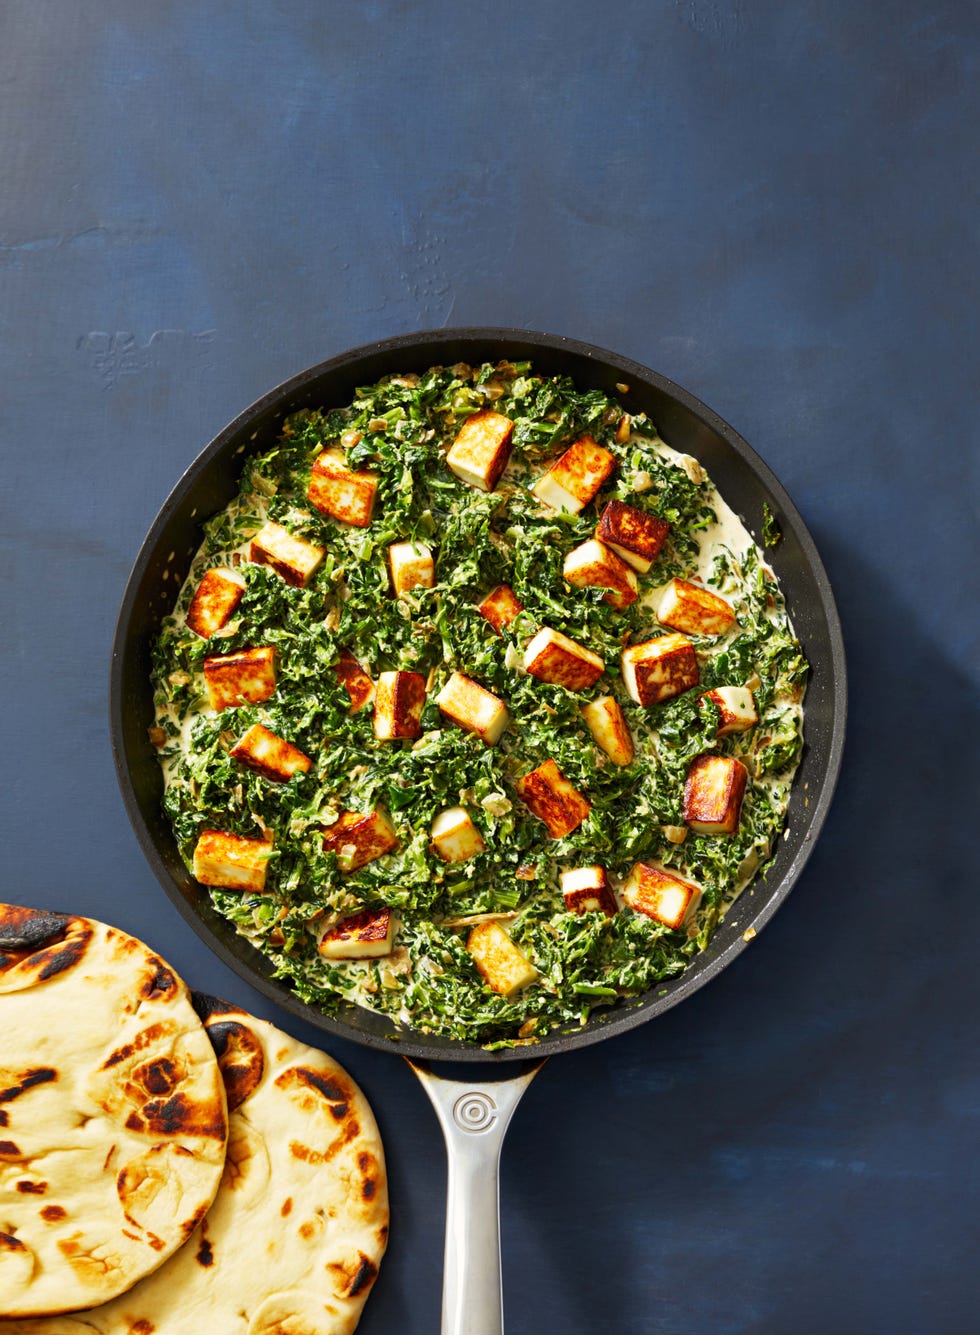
x=474, y=1112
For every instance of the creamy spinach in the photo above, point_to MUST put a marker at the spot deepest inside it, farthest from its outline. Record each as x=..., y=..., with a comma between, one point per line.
x=400, y=428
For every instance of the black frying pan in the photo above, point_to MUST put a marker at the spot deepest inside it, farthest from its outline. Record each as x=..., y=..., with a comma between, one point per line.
x=162, y=564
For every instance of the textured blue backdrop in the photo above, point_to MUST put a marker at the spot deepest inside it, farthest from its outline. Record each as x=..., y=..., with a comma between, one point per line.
x=774, y=205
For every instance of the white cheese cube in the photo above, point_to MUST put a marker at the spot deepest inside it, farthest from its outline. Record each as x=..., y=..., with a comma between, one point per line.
x=713, y=793
x=661, y=895
x=411, y=565
x=455, y=837
x=358, y=839
x=244, y=678
x=481, y=449
x=292, y=558
x=398, y=705
x=364, y=935
x=354, y=680
x=342, y=493
x=473, y=708
x=231, y=861
x=587, y=890
x=505, y=968
x=694, y=610
x=594, y=565
x=553, y=657
x=633, y=534
x=605, y=721
x=736, y=708
x=659, y=669
x=501, y=606
x=574, y=479
x=550, y=797
x=214, y=603
x=269, y=755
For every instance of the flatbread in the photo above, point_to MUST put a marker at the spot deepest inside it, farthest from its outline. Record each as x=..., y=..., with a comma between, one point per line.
x=113, y=1120
x=294, y=1239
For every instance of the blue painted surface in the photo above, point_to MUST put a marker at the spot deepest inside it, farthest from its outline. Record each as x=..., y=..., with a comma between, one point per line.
x=773, y=205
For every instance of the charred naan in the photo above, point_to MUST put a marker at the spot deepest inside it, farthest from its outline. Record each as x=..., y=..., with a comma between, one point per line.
x=293, y=1241
x=113, y=1122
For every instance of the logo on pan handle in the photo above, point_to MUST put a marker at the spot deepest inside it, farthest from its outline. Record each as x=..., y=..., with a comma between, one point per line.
x=474, y=1112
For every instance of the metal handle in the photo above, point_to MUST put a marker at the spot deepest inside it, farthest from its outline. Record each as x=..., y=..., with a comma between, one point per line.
x=474, y=1117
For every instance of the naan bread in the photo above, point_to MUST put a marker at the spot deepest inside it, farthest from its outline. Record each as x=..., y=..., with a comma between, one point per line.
x=113, y=1120
x=294, y=1239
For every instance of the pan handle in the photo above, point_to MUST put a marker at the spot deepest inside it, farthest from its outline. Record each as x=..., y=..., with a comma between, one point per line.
x=474, y=1116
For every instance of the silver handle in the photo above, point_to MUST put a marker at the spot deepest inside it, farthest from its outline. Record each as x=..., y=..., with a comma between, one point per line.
x=474, y=1117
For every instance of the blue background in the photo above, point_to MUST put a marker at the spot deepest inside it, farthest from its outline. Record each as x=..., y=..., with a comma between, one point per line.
x=774, y=205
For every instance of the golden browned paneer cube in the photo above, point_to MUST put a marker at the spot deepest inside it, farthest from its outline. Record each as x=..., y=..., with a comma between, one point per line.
x=342, y=493
x=594, y=565
x=269, y=755
x=632, y=534
x=661, y=895
x=354, y=680
x=364, y=935
x=398, y=705
x=473, y=708
x=358, y=839
x=736, y=709
x=217, y=596
x=605, y=721
x=587, y=890
x=454, y=836
x=574, y=479
x=553, y=657
x=659, y=669
x=412, y=566
x=231, y=861
x=244, y=678
x=501, y=606
x=504, y=967
x=292, y=558
x=713, y=793
x=551, y=798
x=694, y=610
x=481, y=449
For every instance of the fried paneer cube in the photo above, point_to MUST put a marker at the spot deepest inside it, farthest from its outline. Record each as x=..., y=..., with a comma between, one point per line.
x=550, y=797
x=574, y=479
x=713, y=792
x=659, y=669
x=354, y=680
x=632, y=534
x=594, y=565
x=364, y=935
x=587, y=890
x=736, y=709
x=481, y=449
x=340, y=492
x=694, y=610
x=501, y=606
x=454, y=836
x=605, y=721
x=215, y=601
x=553, y=657
x=411, y=566
x=661, y=895
x=504, y=967
x=231, y=861
x=358, y=839
x=398, y=705
x=246, y=677
x=271, y=756
x=473, y=708
x=292, y=558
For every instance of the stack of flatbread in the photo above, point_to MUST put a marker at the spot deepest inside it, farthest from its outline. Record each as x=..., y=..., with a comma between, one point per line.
x=170, y=1165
